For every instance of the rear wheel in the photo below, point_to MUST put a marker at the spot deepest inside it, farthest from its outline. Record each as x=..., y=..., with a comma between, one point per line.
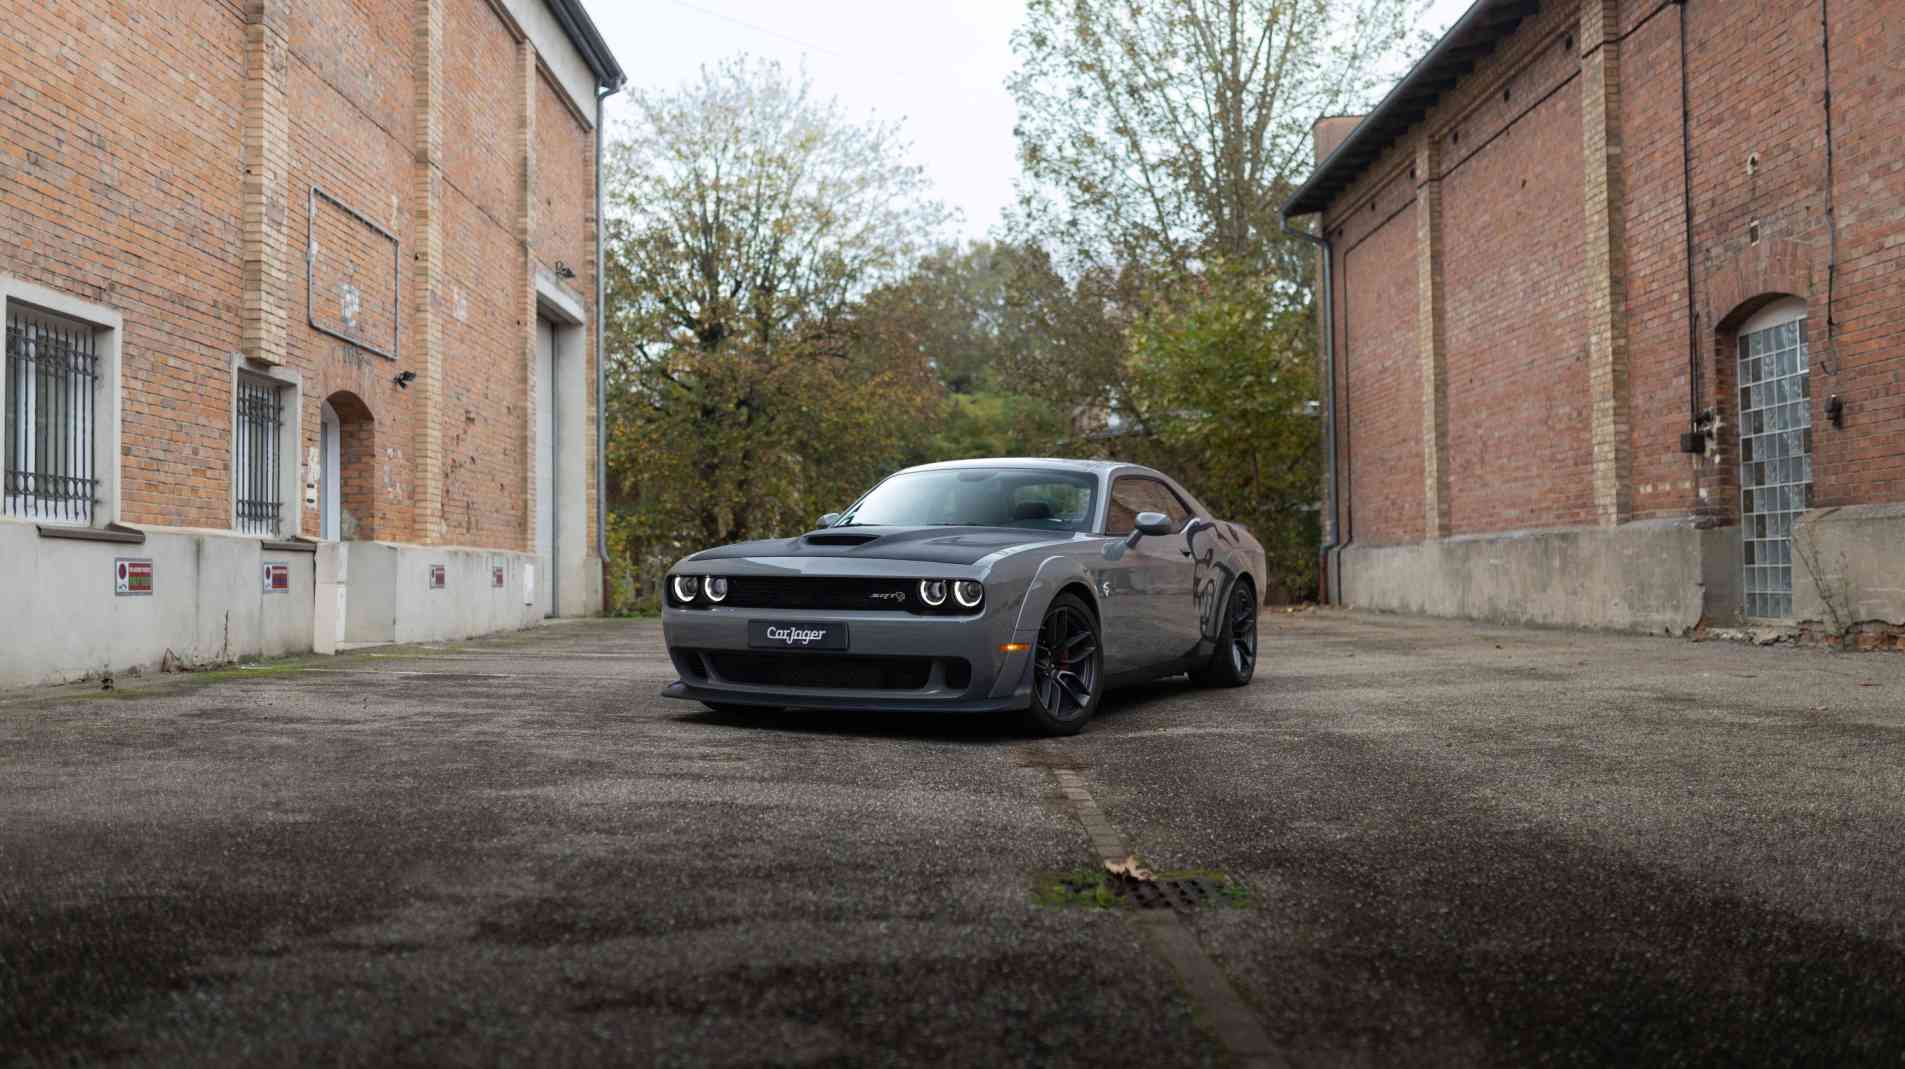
x=1234, y=660
x=1067, y=669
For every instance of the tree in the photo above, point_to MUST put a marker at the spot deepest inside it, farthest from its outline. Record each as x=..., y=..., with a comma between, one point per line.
x=745, y=221
x=1159, y=140
x=1225, y=377
x=739, y=205
x=1162, y=134
x=951, y=309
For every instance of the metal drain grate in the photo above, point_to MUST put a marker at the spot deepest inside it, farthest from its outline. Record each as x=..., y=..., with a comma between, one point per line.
x=1188, y=893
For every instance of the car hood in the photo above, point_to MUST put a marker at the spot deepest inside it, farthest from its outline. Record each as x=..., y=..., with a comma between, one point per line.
x=938, y=545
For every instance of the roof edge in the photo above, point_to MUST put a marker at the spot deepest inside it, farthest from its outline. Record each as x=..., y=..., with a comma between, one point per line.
x=1481, y=27
x=588, y=40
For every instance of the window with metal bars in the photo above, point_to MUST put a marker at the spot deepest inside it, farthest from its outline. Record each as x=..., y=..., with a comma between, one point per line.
x=52, y=379
x=260, y=421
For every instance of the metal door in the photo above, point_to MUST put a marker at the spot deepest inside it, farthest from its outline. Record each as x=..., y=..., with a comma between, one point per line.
x=546, y=424
x=330, y=453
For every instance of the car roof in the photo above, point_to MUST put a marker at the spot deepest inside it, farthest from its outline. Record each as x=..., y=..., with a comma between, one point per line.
x=1054, y=463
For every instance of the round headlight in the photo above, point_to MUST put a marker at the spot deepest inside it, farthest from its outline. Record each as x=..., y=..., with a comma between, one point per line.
x=715, y=587
x=684, y=588
x=969, y=593
x=933, y=592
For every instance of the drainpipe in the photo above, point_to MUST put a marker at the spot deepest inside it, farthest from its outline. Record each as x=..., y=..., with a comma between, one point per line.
x=1328, y=340
x=601, y=359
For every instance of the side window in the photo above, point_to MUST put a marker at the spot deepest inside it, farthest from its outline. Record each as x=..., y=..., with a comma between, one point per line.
x=1171, y=505
x=1132, y=494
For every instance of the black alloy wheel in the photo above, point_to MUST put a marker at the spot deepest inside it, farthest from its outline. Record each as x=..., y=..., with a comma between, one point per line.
x=1234, y=660
x=1067, y=665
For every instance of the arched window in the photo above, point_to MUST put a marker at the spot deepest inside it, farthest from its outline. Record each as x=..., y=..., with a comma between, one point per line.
x=1775, y=450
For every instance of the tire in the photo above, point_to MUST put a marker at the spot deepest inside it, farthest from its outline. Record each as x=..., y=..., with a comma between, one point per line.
x=1068, y=669
x=1234, y=661
x=730, y=709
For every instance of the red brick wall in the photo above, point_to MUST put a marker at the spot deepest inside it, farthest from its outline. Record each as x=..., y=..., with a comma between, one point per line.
x=1513, y=260
x=352, y=112
x=120, y=185
x=1653, y=169
x=1383, y=370
x=565, y=174
x=1514, y=270
x=484, y=374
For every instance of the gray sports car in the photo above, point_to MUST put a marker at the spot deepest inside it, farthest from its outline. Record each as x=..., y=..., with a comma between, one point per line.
x=972, y=586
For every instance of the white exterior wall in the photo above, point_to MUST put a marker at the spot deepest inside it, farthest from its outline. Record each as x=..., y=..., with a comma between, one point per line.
x=208, y=604
x=386, y=594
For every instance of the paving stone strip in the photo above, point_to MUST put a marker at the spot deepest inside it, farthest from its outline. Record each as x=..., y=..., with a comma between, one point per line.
x=1229, y=1019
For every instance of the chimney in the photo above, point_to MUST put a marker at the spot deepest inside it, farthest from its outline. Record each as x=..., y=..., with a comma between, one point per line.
x=1330, y=131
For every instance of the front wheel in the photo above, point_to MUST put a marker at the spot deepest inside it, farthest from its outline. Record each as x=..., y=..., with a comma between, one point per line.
x=1067, y=669
x=1234, y=660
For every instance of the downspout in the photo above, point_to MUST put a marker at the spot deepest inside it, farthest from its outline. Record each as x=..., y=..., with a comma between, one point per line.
x=1327, y=338
x=1832, y=204
x=601, y=357
x=1698, y=421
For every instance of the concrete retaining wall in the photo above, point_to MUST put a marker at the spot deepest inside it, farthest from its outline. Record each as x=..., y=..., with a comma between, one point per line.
x=1849, y=566
x=384, y=592
x=64, y=619
x=1650, y=576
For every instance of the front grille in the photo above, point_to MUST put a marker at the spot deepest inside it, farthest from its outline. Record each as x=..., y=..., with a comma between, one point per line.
x=824, y=671
x=769, y=592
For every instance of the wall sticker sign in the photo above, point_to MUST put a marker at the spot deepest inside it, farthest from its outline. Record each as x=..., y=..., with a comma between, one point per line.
x=497, y=576
x=277, y=577
x=132, y=577
x=437, y=577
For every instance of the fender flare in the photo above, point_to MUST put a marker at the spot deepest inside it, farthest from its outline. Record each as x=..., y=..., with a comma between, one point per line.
x=1053, y=574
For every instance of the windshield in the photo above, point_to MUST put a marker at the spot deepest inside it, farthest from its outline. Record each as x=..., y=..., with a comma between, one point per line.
x=980, y=497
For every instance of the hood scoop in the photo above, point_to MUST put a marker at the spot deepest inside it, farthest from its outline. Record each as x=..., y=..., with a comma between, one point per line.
x=840, y=539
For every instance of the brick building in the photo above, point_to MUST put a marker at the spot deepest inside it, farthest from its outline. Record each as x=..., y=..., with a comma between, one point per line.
x=300, y=307
x=1616, y=326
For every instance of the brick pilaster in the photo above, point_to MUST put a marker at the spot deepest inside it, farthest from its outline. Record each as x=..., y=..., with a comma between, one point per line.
x=1432, y=339
x=428, y=266
x=263, y=312
x=525, y=234
x=1606, y=262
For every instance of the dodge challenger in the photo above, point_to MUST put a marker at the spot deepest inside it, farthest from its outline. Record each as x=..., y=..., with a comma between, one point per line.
x=973, y=586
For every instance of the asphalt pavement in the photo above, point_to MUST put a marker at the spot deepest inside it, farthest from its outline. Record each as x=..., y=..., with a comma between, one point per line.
x=1457, y=845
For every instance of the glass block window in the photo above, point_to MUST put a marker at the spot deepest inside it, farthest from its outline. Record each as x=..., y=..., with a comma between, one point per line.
x=1775, y=460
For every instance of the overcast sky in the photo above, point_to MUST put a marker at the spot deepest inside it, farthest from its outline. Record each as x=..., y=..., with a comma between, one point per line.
x=940, y=65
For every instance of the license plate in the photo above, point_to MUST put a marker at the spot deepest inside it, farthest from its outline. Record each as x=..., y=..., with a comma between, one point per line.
x=777, y=635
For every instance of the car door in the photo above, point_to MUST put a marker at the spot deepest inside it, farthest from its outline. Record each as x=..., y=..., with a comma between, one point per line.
x=1149, y=597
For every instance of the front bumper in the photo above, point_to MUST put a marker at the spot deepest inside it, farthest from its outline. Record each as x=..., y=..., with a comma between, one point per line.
x=894, y=661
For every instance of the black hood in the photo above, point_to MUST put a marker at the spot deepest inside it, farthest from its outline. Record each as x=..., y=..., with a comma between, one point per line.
x=938, y=545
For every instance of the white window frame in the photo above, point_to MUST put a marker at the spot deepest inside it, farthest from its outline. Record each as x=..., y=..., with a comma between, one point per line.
x=108, y=330
x=285, y=449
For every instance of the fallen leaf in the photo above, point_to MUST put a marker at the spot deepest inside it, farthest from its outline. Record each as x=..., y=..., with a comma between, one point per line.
x=1129, y=868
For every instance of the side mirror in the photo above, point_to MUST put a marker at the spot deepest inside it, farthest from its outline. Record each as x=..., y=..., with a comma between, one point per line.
x=829, y=519
x=1149, y=523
